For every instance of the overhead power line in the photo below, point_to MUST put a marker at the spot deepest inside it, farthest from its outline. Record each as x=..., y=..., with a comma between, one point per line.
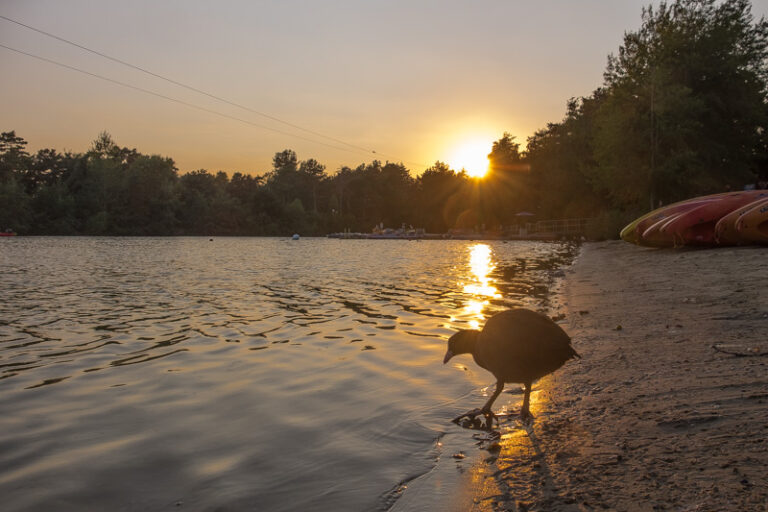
x=351, y=147
x=189, y=87
x=169, y=98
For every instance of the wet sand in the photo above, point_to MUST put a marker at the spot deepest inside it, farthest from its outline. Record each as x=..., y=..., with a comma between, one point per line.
x=658, y=415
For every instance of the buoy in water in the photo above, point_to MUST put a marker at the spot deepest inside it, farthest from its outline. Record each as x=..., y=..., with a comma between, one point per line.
x=295, y=236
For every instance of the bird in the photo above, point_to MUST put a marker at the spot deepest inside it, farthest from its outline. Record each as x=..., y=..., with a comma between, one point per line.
x=515, y=345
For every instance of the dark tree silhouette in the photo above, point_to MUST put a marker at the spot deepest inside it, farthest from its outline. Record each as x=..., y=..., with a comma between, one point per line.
x=683, y=111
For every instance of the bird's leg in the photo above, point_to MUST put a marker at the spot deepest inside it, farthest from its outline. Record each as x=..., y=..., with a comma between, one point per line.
x=486, y=410
x=525, y=412
x=469, y=414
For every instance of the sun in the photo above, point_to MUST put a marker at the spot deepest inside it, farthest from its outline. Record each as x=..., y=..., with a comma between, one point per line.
x=472, y=156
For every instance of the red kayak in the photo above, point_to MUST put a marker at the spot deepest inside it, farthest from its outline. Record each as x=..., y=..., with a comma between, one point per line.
x=655, y=237
x=634, y=231
x=697, y=226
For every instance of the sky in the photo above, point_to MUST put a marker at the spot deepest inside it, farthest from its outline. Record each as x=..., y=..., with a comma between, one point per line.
x=413, y=81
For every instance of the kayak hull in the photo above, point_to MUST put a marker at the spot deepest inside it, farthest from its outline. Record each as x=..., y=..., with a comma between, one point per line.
x=697, y=226
x=633, y=231
x=725, y=230
x=706, y=220
x=753, y=225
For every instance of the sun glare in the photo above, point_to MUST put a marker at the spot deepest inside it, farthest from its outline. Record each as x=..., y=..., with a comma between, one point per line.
x=472, y=156
x=481, y=287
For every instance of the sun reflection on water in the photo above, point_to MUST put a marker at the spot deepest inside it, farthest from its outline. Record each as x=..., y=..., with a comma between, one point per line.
x=481, y=288
x=514, y=443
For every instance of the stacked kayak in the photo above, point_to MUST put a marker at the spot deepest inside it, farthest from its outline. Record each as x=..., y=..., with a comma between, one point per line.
x=730, y=218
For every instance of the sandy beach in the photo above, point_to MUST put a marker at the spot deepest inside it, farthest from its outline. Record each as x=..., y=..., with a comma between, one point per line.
x=667, y=410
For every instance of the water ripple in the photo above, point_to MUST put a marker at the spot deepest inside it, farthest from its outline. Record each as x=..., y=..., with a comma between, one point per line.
x=272, y=371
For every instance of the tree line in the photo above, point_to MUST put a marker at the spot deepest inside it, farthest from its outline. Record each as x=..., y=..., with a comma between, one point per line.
x=113, y=190
x=682, y=111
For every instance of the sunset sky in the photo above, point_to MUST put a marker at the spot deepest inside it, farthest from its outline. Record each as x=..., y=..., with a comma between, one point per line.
x=413, y=81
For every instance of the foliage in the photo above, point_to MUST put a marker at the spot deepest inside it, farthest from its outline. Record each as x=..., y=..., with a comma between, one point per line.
x=442, y=196
x=112, y=190
x=561, y=157
x=683, y=111
x=686, y=110
x=504, y=191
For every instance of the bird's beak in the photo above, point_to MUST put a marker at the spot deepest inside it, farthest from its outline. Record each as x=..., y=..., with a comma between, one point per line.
x=448, y=356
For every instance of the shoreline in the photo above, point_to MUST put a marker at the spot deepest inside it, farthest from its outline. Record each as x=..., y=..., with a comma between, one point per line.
x=655, y=416
x=480, y=237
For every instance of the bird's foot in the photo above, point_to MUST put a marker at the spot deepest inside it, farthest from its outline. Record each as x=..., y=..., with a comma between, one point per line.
x=474, y=421
x=470, y=415
x=526, y=417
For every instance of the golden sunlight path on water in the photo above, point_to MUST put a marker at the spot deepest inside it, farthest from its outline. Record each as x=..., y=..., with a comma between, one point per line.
x=656, y=415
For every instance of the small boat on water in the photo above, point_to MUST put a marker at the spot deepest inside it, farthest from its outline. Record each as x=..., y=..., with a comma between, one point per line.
x=7, y=233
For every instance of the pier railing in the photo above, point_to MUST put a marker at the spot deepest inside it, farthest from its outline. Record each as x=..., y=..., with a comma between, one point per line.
x=563, y=227
x=540, y=230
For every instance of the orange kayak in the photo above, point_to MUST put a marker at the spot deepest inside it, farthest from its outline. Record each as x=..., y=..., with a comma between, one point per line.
x=753, y=225
x=725, y=229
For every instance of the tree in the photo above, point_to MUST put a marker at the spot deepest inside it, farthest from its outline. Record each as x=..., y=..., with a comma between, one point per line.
x=561, y=160
x=503, y=191
x=686, y=111
x=54, y=210
x=15, y=208
x=311, y=174
x=442, y=197
x=284, y=180
x=505, y=155
x=148, y=196
x=104, y=146
x=47, y=167
x=13, y=157
x=196, y=192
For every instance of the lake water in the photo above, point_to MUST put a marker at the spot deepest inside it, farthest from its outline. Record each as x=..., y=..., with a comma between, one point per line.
x=245, y=373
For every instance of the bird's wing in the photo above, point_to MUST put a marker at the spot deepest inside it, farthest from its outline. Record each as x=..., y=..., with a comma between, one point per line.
x=521, y=345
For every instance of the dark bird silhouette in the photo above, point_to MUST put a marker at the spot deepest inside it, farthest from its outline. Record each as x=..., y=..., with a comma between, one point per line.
x=517, y=345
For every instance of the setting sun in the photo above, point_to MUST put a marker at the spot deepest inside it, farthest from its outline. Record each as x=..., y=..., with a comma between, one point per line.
x=472, y=156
